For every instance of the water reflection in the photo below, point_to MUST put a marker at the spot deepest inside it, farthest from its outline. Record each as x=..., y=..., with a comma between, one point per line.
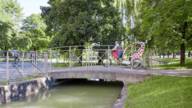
x=73, y=94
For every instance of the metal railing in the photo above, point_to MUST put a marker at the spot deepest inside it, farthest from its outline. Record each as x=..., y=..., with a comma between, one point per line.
x=17, y=65
x=74, y=56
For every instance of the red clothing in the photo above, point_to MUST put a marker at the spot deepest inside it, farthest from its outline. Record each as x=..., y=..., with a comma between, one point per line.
x=115, y=54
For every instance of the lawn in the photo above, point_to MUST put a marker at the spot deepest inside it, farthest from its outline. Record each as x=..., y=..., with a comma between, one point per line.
x=175, y=64
x=161, y=92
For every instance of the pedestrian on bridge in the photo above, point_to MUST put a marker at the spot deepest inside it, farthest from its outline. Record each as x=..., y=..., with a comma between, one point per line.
x=15, y=54
x=117, y=52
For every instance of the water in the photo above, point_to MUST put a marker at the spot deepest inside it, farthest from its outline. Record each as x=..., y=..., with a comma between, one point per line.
x=73, y=95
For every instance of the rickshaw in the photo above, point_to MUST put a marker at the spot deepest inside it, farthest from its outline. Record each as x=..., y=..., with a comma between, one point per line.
x=133, y=60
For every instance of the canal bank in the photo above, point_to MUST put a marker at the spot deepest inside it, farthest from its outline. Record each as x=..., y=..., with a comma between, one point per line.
x=21, y=90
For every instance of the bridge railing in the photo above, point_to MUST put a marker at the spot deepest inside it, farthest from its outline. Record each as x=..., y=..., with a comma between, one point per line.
x=75, y=56
x=18, y=65
x=71, y=56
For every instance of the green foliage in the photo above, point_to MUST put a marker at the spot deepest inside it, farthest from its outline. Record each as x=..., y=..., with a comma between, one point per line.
x=22, y=42
x=6, y=33
x=10, y=15
x=75, y=22
x=10, y=11
x=166, y=24
x=34, y=29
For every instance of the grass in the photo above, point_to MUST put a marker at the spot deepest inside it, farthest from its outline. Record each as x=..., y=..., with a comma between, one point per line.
x=60, y=65
x=161, y=92
x=175, y=64
x=66, y=65
x=57, y=65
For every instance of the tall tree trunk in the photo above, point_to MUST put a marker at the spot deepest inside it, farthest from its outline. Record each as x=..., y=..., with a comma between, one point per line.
x=182, y=54
x=182, y=46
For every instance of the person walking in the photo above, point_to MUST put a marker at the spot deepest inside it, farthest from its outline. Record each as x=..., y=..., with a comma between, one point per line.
x=15, y=55
x=117, y=52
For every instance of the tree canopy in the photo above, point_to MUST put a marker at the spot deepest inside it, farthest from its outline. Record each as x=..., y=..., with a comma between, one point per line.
x=34, y=29
x=10, y=16
x=166, y=24
x=74, y=22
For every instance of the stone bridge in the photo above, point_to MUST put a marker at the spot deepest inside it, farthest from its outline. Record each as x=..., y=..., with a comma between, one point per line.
x=113, y=73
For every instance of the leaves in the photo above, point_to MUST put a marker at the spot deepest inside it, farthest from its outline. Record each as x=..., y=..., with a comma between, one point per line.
x=34, y=29
x=10, y=15
x=75, y=22
x=163, y=21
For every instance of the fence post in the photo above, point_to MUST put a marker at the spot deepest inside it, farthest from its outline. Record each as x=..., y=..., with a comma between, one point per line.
x=70, y=57
x=23, y=55
x=87, y=56
x=45, y=63
x=50, y=61
x=108, y=54
x=91, y=56
x=7, y=66
x=33, y=59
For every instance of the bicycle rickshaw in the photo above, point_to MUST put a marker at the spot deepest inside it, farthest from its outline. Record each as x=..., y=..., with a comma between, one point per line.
x=132, y=60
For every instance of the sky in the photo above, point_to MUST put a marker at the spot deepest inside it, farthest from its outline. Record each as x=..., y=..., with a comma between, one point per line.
x=32, y=6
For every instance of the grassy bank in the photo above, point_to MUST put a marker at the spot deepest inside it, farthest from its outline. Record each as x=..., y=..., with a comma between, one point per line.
x=174, y=64
x=161, y=92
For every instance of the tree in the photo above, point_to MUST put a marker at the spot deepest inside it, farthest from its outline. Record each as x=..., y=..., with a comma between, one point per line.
x=168, y=24
x=75, y=22
x=6, y=33
x=10, y=15
x=22, y=42
x=34, y=29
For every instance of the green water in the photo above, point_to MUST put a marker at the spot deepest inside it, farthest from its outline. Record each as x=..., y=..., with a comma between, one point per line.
x=75, y=95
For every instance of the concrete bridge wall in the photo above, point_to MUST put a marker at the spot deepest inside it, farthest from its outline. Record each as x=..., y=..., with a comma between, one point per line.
x=124, y=77
x=22, y=90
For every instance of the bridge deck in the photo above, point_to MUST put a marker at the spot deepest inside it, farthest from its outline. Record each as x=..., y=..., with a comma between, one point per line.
x=124, y=70
x=113, y=73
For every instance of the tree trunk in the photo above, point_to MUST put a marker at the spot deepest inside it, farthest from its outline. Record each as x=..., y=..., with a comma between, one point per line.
x=182, y=46
x=163, y=55
x=168, y=54
x=189, y=54
x=174, y=55
x=147, y=58
x=182, y=54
